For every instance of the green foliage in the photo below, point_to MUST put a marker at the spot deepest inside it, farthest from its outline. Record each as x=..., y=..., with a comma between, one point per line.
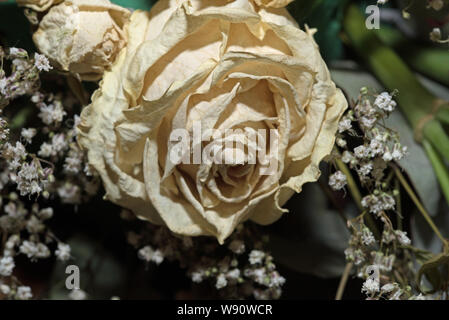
x=326, y=16
x=135, y=4
x=435, y=270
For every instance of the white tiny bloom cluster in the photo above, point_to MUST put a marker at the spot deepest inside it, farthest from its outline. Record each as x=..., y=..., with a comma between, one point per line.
x=435, y=35
x=41, y=62
x=337, y=180
x=34, y=250
x=221, y=281
x=28, y=134
x=367, y=237
x=6, y=266
x=385, y=102
x=23, y=173
x=58, y=145
x=256, y=257
x=5, y=289
x=63, y=252
x=378, y=203
x=240, y=269
x=370, y=286
x=402, y=237
x=148, y=254
x=52, y=114
x=4, y=131
x=23, y=79
x=23, y=293
x=344, y=124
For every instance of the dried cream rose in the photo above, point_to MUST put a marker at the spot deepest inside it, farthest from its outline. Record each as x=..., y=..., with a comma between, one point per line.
x=227, y=65
x=83, y=36
x=38, y=5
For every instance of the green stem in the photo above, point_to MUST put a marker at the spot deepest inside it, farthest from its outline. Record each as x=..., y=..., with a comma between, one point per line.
x=428, y=60
x=443, y=115
x=357, y=196
x=417, y=203
x=343, y=281
x=398, y=205
x=439, y=167
x=352, y=185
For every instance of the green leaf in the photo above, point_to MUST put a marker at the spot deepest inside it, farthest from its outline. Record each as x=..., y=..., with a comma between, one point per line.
x=135, y=4
x=326, y=16
x=435, y=270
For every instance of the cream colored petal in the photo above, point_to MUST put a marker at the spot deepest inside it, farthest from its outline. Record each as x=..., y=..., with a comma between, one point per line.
x=273, y=3
x=177, y=213
x=83, y=37
x=38, y=5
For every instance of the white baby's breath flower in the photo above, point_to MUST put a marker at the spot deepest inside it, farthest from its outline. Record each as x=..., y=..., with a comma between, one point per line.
x=148, y=254
x=41, y=62
x=23, y=293
x=367, y=237
x=5, y=289
x=45, y=213
x=370, y=286
x=157, y=257
x=338, y=180
x=52, y=113
x=63, y=252
x=233, y=274
x=28, y=134
x=385, y=102
x=402, y=237
x=435, y=34
x=221, y=281
x=256, y=256
x=345, y=124
x=361, y=151
x=6, y=266
x=197, y=276
x=347, y=157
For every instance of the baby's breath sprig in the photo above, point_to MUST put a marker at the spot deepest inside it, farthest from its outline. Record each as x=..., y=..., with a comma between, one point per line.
x=379, y=249
x=242, y=268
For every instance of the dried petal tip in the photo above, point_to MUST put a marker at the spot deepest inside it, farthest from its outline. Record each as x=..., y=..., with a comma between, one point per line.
x=38, y=5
